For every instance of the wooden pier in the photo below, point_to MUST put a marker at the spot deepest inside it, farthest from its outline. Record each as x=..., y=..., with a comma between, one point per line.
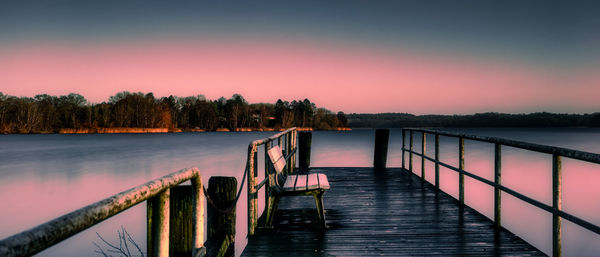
x=387, y=212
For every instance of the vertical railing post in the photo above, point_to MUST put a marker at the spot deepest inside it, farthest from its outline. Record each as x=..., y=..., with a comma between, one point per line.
x=497, y=183
x=294, y=146
x=556, y=205
x=252, y=192
x=198, y=222
x=410, y=153
x=157, y=211
x=461, y=167
x=403, y=146
x=288, y=150
x=267, y=172
x=437, y=161
x=423, y=151
x=381, y=148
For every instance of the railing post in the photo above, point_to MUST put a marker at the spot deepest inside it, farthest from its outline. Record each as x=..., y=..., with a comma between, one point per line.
x=288, y=150
x=294, y=146
x=198, y=214
x=181, y=230
x=304, y=148
x=556, y=204
x=221, y=224
x=410, y=153
x=461, y=167
x=403, y=146
x=497, y=182
x=157, y=210
x=252, y=192
x=267, y=172
x=423, y=151
x=381, y=148
x=437, y=160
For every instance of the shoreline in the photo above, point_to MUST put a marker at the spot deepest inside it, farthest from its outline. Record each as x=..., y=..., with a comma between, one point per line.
x=119, y=130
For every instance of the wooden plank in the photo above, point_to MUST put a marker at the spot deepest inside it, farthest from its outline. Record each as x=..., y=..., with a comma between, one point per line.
x=312, y=181
x=383, y=213
x=323, y=182
x=301, y=183
x=277, y=159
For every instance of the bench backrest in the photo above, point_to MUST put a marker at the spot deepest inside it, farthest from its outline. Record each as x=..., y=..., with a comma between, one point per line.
x=277, y=158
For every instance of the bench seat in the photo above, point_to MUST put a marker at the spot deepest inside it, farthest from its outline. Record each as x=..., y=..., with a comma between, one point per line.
x=305, y=182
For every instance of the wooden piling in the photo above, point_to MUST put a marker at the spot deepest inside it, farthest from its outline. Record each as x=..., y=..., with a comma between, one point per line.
x=221, y=225
x=381, y=148
x=181, y=230
x=158, y=225
x=304, y=148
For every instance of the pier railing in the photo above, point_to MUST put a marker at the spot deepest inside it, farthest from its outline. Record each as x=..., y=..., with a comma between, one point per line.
x=287, y=140
x=156, y=193
x=556, y=152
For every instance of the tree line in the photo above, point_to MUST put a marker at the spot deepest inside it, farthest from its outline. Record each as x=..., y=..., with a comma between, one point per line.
x=48, y=114
x=489, y=119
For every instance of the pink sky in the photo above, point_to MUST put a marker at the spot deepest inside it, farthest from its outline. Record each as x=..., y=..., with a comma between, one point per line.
x=340, y=78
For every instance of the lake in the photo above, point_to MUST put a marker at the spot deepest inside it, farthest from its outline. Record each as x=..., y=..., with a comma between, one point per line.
x=45, y=176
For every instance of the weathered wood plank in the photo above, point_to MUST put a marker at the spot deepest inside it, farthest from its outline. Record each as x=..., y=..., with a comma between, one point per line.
x=383, y=213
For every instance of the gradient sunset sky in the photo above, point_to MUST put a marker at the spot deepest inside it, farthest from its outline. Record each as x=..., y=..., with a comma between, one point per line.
x=419, y=57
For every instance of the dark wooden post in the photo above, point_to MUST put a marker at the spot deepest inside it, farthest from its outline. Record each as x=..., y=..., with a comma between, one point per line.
x=181, y=227
x=157, y=217
x=304, y=148
x=381, y=148
x=437, y=163
x=403, y=146
x=556, y=205
x=221, y=222
x=410, y=153
x=497, y=182
x=461, y=167
x=423, y=151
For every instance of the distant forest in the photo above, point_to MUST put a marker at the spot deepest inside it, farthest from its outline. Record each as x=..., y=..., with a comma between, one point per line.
x=490, y=119
x=48, y=114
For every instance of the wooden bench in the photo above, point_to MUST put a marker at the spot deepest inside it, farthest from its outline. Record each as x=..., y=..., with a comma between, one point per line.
x=281, y=185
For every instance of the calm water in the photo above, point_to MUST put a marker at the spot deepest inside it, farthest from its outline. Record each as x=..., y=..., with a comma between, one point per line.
x=44, y=176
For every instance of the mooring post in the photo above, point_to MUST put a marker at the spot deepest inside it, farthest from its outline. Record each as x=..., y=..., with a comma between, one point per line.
x=181, y=230
x=252, y=192
x=381, y=148
x=423, y=152
x=556, y=205
x=221, y=220
x=497, y=182
x=157, y=220
x=304, y=148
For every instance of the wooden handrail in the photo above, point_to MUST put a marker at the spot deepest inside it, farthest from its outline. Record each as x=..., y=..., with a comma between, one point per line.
x=556, y=152
x=50, y=233
x=287, y=139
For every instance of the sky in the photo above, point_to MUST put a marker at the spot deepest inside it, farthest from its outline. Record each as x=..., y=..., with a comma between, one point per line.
x=421, y=57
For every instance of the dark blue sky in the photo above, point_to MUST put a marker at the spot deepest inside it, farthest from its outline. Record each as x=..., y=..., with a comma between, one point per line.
x=565, y=32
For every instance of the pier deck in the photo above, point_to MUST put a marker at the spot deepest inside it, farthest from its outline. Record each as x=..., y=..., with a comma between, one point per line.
x=375, y=213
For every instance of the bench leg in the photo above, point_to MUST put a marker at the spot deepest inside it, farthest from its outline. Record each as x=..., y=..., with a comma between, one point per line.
x=320, y=208
x=273, y=202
